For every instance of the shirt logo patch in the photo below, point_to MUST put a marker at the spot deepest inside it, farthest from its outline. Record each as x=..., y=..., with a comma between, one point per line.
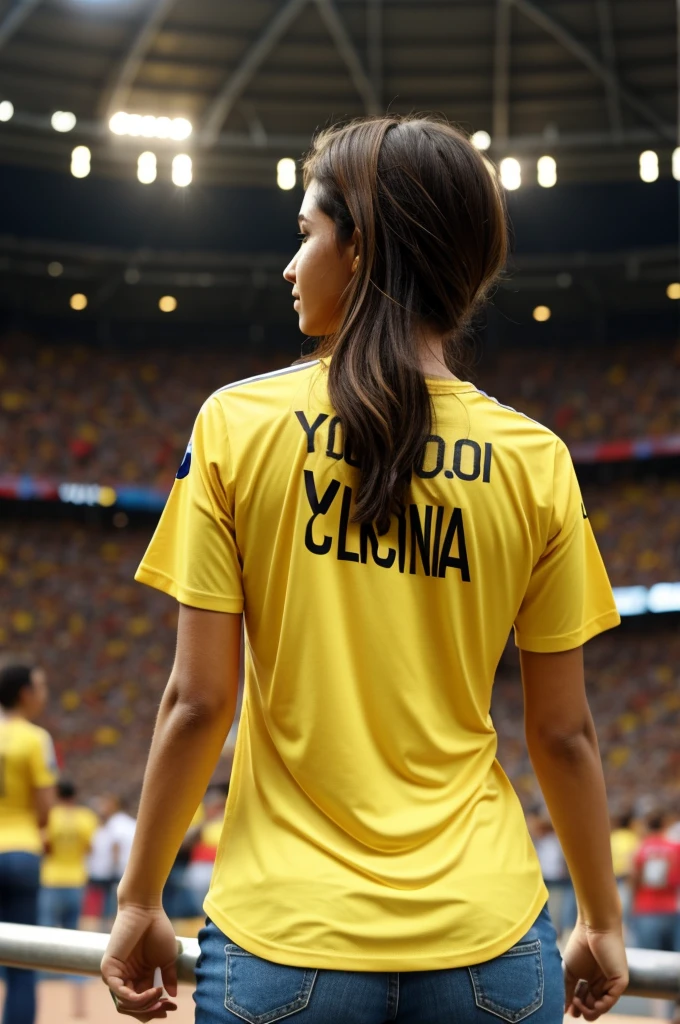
x=186, y=464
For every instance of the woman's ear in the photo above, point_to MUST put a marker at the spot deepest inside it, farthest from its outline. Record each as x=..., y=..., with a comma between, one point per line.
x=356, y=242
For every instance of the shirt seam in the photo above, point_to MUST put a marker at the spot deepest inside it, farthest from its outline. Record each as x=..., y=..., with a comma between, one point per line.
x=145, y=568
x=572, y=632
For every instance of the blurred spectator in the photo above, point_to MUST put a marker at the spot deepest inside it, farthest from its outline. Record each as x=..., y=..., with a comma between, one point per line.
x=625, y=842
x=28, y=768
x=561, y=902
x=178, y=899
x=110, y=851
x=68, y=836
x=202, y=859
x=656, y=884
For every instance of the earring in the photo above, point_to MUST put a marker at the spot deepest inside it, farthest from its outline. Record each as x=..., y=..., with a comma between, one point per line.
x=355, y=264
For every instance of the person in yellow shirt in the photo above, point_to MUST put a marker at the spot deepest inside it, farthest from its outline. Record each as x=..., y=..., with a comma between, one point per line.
x=28, y=773
x=379, y=524
x=68, y=837
x=63, y=877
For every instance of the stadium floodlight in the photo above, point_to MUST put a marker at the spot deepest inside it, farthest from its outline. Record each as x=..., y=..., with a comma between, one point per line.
x=81, y=162
x=134, y=125
x=547, y=171
x=481, y=140
x=511, y=173
x=180, y=129
x=55, y=269
x=182, y=170
x=78, y=301
x=286, y=174
x=119, y=123
x=676, y=163
x=673, y=290
x=147, y=168
x=6, y=110
x=63, y=121
x=649, y=165
x=542, y=313
x=148, y=126
x=167, y=304
x=163, y=127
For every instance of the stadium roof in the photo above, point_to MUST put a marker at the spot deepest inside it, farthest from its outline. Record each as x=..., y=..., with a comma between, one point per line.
x=592, y=82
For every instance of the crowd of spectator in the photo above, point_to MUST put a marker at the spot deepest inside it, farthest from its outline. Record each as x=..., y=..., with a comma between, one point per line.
x=107, y=644
x=80, y=413
x=592, y=394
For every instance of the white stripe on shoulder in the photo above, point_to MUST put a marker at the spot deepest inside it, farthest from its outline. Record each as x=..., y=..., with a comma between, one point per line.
x=518, y=412
x=267, y=376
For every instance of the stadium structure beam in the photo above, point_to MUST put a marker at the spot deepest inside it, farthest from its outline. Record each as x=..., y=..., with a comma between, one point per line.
x=374, y=38
x=223, y=103
x=117, y=88
x=15, y=18
x=348, y=52
x=501, y=74
x=574, y=46
x=603, y=9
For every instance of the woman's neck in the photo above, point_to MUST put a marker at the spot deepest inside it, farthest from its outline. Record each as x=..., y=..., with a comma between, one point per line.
x=432, y=360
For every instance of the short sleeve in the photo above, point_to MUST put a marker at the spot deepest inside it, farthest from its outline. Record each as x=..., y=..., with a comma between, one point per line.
x=569, y=598
x=43, y=761
x=193, y=555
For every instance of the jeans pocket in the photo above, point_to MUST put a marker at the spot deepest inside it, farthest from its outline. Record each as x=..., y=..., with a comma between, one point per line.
x=511, y=986
x=260, y=991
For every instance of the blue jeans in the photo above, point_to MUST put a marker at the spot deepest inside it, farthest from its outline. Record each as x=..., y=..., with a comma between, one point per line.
x=657, y=931
x=234, y=986
x=19, y=883
x=60, y=907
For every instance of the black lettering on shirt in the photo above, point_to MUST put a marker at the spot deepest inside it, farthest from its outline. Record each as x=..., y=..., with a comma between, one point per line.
x=319, y=507
x=488, y=452
x=401, y=539
x=426, y=474
x=330, y=448
x=458, y=449
x=368, y=536
x=437, y=539
x=310, y=431
x=421, y=538
x=455, y=529
x=343, y=554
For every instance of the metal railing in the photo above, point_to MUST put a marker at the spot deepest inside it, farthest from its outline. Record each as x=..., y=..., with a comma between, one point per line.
x=653, y=974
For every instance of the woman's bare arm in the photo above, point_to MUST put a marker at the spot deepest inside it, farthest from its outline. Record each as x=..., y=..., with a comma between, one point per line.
x=195, y=716
x=564, y=752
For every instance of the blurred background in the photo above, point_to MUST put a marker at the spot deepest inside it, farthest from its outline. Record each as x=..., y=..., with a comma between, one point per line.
x=149, y=188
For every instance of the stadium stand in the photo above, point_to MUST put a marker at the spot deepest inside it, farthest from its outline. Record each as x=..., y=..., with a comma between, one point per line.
x=84, y=414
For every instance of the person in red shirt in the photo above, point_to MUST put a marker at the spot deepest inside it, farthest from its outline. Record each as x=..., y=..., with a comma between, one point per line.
x=656, y=889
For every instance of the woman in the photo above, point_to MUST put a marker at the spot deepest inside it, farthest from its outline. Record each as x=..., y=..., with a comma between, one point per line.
x=380, y=524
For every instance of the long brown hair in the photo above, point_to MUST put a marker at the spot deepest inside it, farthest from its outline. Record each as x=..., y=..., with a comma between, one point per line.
x=433, y=239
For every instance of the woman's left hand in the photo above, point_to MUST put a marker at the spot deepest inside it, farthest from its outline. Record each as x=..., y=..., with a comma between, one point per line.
x=142, y=939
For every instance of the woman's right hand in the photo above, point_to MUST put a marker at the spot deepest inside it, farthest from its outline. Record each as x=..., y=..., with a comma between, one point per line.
x=596, y=971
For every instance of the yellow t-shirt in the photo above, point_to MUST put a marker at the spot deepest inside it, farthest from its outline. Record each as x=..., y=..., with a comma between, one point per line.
x=69, y=833
x=369, y=825
x=624, y=843
x=27, y=763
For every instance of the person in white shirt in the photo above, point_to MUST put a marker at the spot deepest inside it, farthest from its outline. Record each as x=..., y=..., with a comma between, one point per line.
x=110, y=851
